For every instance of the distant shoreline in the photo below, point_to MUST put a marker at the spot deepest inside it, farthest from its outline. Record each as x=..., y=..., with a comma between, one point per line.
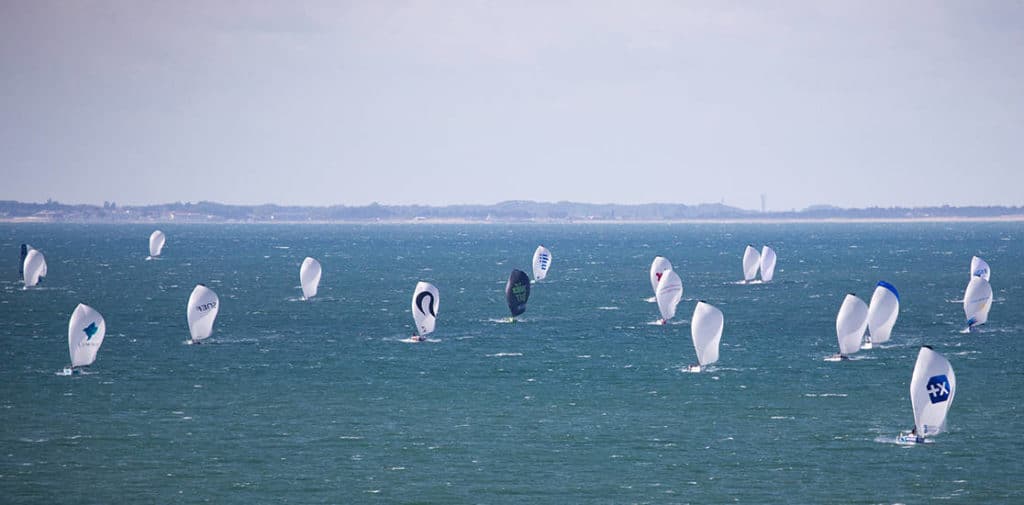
x=508, y=212
x=430, y=221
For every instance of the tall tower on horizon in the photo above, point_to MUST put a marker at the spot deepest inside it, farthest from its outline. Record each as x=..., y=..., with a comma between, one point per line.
x=764, y=197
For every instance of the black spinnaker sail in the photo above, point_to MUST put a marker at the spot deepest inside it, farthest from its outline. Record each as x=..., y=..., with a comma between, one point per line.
x=517, y=292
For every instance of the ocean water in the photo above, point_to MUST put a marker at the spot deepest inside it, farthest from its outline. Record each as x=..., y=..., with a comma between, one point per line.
x=581, y=401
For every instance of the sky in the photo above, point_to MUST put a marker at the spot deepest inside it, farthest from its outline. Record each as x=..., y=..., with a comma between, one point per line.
x=847, y=103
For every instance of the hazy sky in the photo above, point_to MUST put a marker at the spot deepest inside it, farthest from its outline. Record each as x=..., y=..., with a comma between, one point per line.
x=853, y=103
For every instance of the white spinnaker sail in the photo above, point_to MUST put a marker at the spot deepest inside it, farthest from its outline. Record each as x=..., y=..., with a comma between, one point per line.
x=670, y=291
x=309, y=276
x=706, y=330
x=980, y=268
x=541, y=262
x=426, y=301
x=659, y=266
x=931, y=391
x=157, y=239
x=751, y=262
x=883, y=311
x=767, y=263
x=851, y=323
x=86, y=329
x=35, y=267
x=202, y=312
x=977, y=301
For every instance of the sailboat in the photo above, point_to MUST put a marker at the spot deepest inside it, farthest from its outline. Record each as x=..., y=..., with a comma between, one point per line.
x=425, y=303
x=86, y=329
x=309, y=277
x=851, y=323
x=882, y=313
x=751, y=262
x=202, y=309
x=767, y=264
x=541, y=263
x=33, y=267
x=659, y=266
x=670, y=291
x=932, y=389
x=706, y=330
x=977, y=302
x=980, y=268
x=517, y=292
x=157, y=239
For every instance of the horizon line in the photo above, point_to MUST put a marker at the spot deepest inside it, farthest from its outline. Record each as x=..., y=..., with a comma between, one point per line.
x=817, y=206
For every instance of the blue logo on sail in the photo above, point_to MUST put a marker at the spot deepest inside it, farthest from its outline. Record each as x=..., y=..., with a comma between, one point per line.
x=90, y=330
x=938, y=389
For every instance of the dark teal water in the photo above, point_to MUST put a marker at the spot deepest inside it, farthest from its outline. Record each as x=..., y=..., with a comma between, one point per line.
x=582, y=401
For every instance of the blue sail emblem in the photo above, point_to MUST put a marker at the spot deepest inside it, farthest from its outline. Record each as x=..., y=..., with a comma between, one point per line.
x=938, y=389
x=90, y=330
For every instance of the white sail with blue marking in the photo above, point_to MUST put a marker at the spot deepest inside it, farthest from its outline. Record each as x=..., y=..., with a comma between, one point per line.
x=883, y=311
x=932, y=389
x=309, y=277
x=977, y=301
x=541, y=263
x=767, y=264
x=157, y=239
x=426, y=300
x=980, y=268
x=86, y=330
x=751, y=262
x=203, y=306
x=851, y=323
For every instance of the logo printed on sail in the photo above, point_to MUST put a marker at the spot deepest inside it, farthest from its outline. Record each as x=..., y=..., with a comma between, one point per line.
x=938, y=389
x=519, y=290
x=206, y=306
x=90, y=330
x=430, y=304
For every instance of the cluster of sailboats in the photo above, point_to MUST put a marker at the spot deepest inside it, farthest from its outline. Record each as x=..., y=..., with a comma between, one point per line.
x=858, y=325
x=707, y=322
x=754, y=261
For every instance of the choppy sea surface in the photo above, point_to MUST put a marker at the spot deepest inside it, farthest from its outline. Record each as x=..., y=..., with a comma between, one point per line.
x=583, y=400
